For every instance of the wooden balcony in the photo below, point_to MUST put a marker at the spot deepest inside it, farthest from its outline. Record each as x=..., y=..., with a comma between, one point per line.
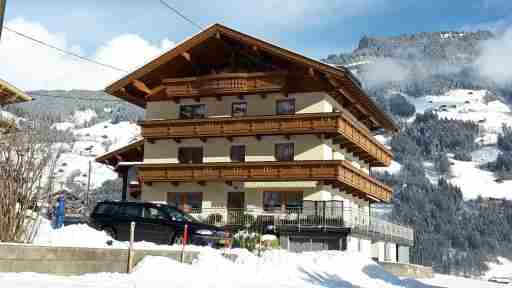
x=339, y=173
x=225, y=84
x=348, y=134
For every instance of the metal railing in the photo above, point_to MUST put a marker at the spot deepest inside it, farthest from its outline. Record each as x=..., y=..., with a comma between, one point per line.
x=311, y=215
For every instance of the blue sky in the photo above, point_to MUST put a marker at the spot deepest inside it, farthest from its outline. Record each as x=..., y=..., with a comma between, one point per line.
x=314, y=27
x=128, y=33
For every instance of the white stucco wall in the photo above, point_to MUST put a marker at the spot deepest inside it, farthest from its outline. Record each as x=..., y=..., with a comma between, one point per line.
x=315, y=102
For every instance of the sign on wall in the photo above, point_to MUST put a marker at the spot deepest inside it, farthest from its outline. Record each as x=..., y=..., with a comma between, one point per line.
x=2, y=13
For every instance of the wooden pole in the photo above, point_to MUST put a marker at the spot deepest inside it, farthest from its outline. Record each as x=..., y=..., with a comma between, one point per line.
x=130, y=248
x=185, y=239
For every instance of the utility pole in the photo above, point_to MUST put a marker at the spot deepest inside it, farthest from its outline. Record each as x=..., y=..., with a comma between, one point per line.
x=88, y=185
x=2, y=13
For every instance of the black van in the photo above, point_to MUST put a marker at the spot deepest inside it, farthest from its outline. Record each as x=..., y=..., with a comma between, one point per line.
x=154, y=222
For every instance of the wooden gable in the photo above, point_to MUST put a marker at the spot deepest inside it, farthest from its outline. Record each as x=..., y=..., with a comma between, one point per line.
x=219, y=49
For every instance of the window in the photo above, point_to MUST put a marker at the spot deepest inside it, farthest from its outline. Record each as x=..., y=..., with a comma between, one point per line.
x=285, y=107
x=239, y=109
x=153, y=213
x=193, y=111
x=281, y=200
x=237, y=153
x=186, y=201
x=106, y=209
x=190, y=155
x=131, y=211
x=284, y=152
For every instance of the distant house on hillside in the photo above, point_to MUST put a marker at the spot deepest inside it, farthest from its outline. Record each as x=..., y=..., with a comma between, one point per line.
x=9, y=95
x=241, y=132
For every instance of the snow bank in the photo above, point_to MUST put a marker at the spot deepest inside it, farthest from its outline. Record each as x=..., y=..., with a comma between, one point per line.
x=82, y=235
x=273, y=269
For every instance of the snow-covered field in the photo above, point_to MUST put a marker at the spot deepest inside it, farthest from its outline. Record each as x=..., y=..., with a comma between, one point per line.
x=91, y=142
x=491, y=114
x=469, y=105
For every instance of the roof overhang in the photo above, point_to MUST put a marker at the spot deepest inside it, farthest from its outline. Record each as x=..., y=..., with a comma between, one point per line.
x=133, y=152
x=339, y=76
x=10, y=94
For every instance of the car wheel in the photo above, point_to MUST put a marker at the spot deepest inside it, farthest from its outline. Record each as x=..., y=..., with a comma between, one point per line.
x=110, y=232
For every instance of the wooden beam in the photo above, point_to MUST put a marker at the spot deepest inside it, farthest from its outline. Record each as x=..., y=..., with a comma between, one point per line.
x=311, y=72
x=187, y=56
x=141, y=86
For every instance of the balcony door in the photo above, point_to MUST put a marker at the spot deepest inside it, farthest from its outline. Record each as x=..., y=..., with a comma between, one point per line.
x=236, y=200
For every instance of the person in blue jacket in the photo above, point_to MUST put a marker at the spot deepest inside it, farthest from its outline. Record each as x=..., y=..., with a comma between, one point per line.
x=59, y=212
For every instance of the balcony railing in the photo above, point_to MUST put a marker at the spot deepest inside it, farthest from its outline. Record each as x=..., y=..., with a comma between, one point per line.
x=311, y=216
x=224, y=84
x=356, y=139
x=337, y=172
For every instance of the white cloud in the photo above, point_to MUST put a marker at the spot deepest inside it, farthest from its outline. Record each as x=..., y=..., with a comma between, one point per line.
x=496, y=59
x=384, y=70
x=31, y=66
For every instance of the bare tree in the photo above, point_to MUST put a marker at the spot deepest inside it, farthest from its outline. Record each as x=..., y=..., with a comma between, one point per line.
x=24, y=156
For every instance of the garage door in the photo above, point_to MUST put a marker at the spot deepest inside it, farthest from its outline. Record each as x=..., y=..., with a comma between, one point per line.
x=303, y=244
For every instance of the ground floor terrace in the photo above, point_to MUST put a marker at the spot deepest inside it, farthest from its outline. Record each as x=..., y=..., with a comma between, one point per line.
x=306, y=215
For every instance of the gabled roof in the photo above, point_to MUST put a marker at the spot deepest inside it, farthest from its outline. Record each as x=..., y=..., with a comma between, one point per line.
x=349, y=85
x=10, y=94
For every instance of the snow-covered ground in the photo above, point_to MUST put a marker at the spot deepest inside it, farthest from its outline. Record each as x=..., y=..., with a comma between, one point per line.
x=470, y=105
x=275, y=268
x=502, y=268
x=448, y=281
x=91, y=142
x=476, y=182
x=491, y=114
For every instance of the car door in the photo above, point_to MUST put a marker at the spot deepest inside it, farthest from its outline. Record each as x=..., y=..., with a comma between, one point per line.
x=129, y=212
x=155, y=226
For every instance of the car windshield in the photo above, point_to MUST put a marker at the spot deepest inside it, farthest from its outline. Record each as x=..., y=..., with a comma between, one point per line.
x=176, y=214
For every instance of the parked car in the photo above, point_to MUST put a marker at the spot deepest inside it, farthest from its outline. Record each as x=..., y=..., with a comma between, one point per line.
x=154, y=222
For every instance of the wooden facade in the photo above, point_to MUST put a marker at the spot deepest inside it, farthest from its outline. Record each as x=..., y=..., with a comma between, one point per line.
x=355, y=138
x=338, y=173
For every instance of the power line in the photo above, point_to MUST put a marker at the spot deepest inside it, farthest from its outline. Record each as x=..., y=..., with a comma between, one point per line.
x=63, y=51
x=181, y=15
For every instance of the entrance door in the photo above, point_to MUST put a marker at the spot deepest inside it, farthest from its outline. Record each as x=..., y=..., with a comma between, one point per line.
x=236, y=204
x=236, y=200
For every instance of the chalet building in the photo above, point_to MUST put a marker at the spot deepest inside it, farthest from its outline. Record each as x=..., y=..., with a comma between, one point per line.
x=239, y=132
